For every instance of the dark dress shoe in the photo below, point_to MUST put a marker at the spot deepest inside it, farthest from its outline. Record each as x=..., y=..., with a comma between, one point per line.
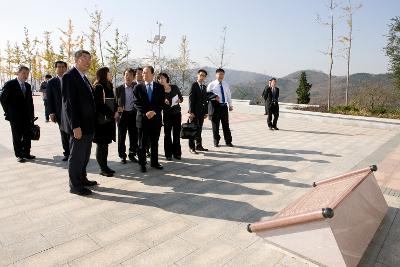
x=157, y=166
x=168, y=158
x=133, y=158
x=89, y=183
x=143, y=168
x=21, y=159
x=201, y=149
x=30, y=156
x=123, y=161
x=193, y=151
x=106, y=173
x=178, y=157
x=65, y=158
x=110, y=170
x=229, y=144
x=276, y=128
x=81, y=192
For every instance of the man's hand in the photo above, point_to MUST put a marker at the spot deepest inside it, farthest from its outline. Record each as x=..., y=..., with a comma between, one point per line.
x=230, y=108
x=166, y=102
x=150, y=114
x=53, y=117
x=120, y=109
x=77, y=133
x=217, y=98
x=191, y=115
x=205, y=116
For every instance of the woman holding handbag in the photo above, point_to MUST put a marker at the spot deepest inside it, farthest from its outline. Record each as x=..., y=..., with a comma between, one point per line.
x=105, y=118
x=172, y=118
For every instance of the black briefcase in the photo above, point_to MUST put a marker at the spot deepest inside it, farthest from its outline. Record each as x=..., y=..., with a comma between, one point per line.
x=35, y=132
x=189, y=130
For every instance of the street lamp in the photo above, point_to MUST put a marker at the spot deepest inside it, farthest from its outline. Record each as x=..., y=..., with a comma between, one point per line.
x=158, y=40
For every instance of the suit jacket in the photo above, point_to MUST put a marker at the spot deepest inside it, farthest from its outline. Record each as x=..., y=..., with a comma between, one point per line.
x=54, y=97
x=269, y=98
x=120, y=95
x=143, y=105
x=17, y=108
x=78, y=107
x=198, y=100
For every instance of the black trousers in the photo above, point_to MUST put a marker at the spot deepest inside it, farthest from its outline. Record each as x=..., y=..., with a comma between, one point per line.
x=64, y=142
x=46, y=109
x=273, y=111
x=266, y=108
x=102, y=155
x=221, y=115
x=151, y=132
x=172, y=125
x=127, y=124
x=78, y=160
x=21, y=138
x=198, y=139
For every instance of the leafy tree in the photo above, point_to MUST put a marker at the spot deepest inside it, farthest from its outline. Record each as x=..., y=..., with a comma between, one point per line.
x=392, y=50
x=48, y=54
x=303, y=91
x=69, y=43
x=98, y=27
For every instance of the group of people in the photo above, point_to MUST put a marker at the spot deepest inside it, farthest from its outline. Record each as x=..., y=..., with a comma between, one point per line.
x=89, y=113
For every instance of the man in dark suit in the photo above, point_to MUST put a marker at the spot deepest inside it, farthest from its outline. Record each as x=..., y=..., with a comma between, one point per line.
x=198, y=109
x=54, y=103
x=17, y=104
x=127, y=117
x=271, y=101
x=149, y=99
x=264, y=95
x=78, y=120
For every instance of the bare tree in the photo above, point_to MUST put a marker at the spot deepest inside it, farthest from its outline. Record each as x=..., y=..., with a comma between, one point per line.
x=219, y=60
x=184, y=62
x=332, y=5
x=99, y=27
x=347, y=40
x=95, y=62
x=117, y=52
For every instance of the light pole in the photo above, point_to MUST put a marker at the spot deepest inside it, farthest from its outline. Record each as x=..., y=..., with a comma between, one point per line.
x=158, y=40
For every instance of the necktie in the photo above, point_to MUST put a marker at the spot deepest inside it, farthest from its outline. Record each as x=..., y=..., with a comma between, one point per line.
x=149, y=92
x=273, y=92
x=87, y=82
x=222, y=93
x=23, y=88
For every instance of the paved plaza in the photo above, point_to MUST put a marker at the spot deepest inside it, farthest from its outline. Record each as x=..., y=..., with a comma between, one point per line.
x=195, y=211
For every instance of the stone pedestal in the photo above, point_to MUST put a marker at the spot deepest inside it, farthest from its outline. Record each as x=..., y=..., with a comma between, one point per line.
x=333, y=223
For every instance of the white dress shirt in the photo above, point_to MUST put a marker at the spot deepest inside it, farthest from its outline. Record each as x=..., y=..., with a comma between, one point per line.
x=215, y=88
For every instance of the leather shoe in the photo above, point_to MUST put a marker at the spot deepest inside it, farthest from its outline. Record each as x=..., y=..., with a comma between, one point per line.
x=178, y=157
x=229, y=144
x=81, y=192
x=89, y=183
x=143, y=168
x=157, y=166
x=65, y=158
x=133, y=158
x=110, y=170
x=276, y=128
x=123, y=161
x=21, y=159
x=106, y=173
x=168, y=158
x=201, y=149
x=30, y=156
x=193, y=151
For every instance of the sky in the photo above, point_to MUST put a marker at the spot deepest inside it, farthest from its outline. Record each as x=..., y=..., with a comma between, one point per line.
x=265, y=36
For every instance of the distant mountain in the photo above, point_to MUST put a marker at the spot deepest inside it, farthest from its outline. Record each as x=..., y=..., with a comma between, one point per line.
x=249, y=85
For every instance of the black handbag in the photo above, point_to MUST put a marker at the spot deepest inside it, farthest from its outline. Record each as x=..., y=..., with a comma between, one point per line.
x=35, y=132
x=189, y=130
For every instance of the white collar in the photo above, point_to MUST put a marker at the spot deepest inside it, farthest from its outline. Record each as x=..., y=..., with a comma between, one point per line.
x=81, y=73
x=146, y=83
x=20, y=82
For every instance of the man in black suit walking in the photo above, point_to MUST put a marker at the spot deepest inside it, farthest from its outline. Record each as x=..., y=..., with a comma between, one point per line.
x=198, y=109
x=149, y=99
x=127, y=117
x=54, y=103
x=17, y=104
x=271, y=101
x=78, y=120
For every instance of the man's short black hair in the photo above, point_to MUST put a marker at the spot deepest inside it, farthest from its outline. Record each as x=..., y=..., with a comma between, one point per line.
x=48, y=76
x=60, y=62
x=203, y=71
x=130, y=70
x=22, y=68
x=139, y=68
x=272, y=79
x=150, y=68
x=220, y=70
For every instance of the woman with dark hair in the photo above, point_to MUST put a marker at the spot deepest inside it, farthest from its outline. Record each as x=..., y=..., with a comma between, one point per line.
x=172, y=118
x=105, y=118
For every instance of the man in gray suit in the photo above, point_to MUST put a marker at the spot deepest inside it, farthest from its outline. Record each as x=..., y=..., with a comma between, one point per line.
x=78, y=120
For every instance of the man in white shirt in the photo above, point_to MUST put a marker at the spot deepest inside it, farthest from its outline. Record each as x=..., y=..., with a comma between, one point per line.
x=218, y=108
